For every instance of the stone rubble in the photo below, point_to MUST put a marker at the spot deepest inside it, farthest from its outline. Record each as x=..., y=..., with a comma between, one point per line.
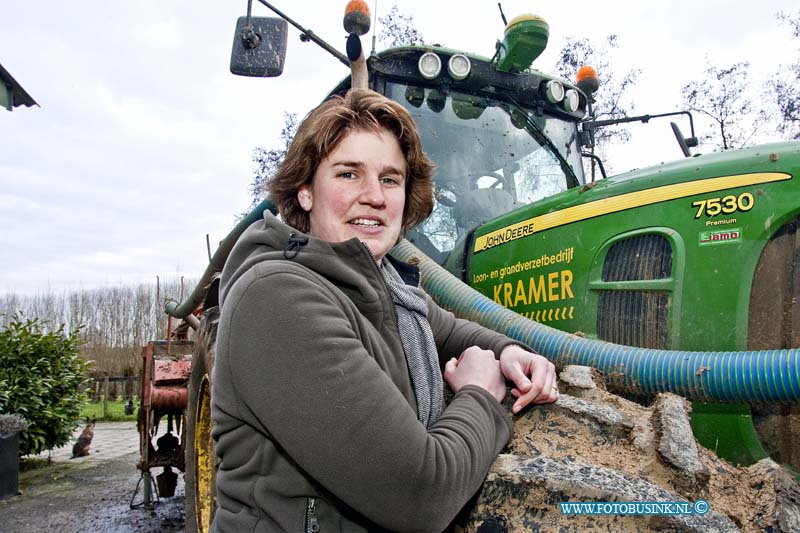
x=594, y=446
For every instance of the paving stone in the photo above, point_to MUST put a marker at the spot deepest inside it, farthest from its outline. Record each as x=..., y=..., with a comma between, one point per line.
x=111, y=440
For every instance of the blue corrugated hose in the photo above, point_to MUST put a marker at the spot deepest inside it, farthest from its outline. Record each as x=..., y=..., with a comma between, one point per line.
x=767, y=375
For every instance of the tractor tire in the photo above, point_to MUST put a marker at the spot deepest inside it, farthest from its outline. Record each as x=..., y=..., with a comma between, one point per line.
x=201, y=459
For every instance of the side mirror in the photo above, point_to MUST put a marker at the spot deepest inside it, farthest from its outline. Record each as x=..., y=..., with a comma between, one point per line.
x=259, y=47
x=682, y=141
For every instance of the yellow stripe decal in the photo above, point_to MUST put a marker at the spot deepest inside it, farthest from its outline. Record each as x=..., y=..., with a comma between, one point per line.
x=622, y=202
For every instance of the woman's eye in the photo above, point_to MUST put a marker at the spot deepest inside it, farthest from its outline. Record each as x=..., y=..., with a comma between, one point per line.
x=346, y=175
x=388, y=180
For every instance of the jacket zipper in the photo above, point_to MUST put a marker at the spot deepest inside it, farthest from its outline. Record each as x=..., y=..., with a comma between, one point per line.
x=312, y=526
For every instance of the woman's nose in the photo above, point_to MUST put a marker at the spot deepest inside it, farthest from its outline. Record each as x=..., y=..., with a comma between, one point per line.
x=372, y=192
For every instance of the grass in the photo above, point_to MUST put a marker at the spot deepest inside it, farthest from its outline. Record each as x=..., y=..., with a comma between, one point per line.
x=27, y=464
x=116, y=411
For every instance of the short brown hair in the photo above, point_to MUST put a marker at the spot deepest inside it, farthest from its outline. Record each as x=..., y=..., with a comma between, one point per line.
x=321, y=132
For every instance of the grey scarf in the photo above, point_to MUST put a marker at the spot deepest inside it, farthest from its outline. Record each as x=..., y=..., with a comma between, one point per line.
x=418, y=344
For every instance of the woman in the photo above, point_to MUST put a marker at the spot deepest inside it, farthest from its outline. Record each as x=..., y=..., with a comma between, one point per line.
x=327, y=397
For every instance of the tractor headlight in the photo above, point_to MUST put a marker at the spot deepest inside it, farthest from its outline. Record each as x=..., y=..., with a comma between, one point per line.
x=429, y=65
x=554, y=91
x=459, y=66
x=571, y=100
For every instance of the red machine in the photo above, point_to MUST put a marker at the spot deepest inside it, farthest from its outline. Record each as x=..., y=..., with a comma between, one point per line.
x=166, y=366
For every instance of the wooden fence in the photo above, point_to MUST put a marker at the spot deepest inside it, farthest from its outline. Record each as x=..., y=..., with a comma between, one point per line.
x=109, y=388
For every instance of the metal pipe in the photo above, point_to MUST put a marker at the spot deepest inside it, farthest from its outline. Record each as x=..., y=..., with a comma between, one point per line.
x=193, y=322
x=306, y=35
x=359, y=77
x=593, y=124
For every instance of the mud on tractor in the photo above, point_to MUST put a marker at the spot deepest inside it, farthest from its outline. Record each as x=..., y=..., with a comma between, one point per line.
x=681, y=278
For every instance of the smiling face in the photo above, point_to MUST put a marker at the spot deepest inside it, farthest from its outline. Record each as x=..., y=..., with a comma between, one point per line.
x=359, y=190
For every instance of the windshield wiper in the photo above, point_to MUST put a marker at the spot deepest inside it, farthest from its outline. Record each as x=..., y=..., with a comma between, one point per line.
x=542, y=138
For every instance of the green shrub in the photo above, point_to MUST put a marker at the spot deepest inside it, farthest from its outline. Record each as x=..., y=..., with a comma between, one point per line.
x=41, y=379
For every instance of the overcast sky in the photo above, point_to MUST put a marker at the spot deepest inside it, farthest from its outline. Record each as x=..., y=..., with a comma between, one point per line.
x=143, y=141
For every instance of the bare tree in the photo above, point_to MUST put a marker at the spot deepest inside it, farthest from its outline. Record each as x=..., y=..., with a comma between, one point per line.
x=114, y=322
x=613, y=99
x=786, y=85
x=268, y=161
x=723, y=98
x=397, y=29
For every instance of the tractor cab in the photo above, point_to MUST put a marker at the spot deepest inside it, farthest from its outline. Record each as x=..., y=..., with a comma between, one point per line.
x=493, y=154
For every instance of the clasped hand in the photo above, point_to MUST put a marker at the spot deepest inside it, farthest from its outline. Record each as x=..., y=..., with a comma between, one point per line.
x=533, y=377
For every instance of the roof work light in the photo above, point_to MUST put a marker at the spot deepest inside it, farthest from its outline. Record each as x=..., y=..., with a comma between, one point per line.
x=554, y=91
x=430, y=65
x=571, y=100
x=459, y=66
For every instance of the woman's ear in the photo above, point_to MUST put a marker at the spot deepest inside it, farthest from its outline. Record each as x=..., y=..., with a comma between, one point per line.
x=304, y=197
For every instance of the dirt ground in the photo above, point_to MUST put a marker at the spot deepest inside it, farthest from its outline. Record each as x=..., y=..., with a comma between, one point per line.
x=69, y=497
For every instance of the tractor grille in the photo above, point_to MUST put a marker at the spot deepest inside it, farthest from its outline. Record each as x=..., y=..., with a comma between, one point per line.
x=638, y=258
x=635, y=317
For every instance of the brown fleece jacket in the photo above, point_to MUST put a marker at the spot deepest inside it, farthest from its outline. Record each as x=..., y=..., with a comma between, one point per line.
x=313, y=408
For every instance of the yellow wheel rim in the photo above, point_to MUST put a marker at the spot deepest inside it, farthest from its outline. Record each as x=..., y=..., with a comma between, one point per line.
x=204, y=466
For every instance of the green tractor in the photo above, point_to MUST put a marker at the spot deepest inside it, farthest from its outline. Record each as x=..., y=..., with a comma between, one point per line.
x=681, y=277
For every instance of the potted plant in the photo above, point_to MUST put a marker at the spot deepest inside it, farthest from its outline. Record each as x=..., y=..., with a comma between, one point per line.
x=10, y=428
